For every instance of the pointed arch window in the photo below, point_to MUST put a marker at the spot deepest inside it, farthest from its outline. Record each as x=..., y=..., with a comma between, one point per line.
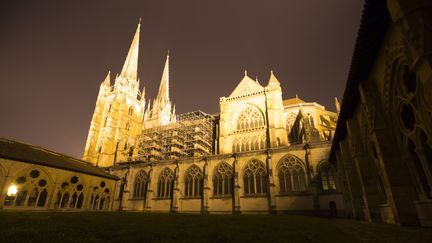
x=291, y=173
x=70, y=195
x=249, y=118
x=255, y=178
x=223, y=180
x=32, y=190
x=127, y=126
x=130, y=111
x=327, y=177
x=193, y=182
x=140, y=185
x=165, y=185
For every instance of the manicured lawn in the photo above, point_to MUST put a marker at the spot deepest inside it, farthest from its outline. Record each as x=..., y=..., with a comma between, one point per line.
x=147, y=227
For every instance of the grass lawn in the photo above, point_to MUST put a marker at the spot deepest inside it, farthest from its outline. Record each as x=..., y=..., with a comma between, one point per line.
x=148, y=227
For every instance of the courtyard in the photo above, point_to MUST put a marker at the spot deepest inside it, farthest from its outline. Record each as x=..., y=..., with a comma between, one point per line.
x=20, y=226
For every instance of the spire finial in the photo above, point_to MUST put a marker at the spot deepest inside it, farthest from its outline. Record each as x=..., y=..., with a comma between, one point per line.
x=130, y=66
x=271, y=71
x=245, y=72
x=139, y=22
x=168, y=52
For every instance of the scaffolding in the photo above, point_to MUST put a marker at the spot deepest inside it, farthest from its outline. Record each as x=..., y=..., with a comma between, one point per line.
x=191, y=135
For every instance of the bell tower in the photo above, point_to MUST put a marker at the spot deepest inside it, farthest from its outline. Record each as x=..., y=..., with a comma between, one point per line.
x=118, y=115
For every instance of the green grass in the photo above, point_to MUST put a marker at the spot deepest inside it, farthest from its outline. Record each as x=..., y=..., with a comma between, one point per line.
x=148, y=227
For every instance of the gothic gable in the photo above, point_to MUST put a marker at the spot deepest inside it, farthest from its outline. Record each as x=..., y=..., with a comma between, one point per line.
x=246, y=86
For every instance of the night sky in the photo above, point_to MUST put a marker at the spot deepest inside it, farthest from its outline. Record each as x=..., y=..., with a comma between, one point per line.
x=55, y=54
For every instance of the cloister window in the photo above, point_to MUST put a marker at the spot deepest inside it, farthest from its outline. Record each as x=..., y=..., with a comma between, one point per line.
x=31, y=190
x=140, y=185
x=255, y=178
x=165, y=185
x=193, y=182
x=327, y=177
x=249, y=118
x=70, y=195
x=292, y=177
x=223, y=180
x=100, y=199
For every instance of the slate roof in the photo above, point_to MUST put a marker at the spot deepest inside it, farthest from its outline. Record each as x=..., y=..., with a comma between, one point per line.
x=13, y=150
x=373, y=27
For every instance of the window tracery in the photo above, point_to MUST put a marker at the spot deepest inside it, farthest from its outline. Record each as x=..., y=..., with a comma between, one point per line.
x=32, y=190
x=140, y=185
x=100, y=198
x=70, y=195
x=327, y=177
x=193, y=182
x=223, y=180
x=291, y=173
x=249, y=118
x=255, y=178
x=165, y=185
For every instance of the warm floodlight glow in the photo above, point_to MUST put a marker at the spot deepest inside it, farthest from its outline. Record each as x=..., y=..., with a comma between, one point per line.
x=12, y=190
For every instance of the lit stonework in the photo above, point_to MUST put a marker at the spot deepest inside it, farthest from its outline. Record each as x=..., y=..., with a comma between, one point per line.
x=259, y=154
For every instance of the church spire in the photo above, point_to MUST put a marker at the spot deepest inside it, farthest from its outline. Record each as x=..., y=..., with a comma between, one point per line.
x=130, y=67
x=163, y=94
x=107, y=79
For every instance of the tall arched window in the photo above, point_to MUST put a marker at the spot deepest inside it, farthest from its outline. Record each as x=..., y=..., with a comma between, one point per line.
x=223, y=180
x=165, y=185
x=193, y=182
x=140, y=185
x=327, y=177
x=292, y=177
x=249, y=118
x=130, y=111
x=255, y=178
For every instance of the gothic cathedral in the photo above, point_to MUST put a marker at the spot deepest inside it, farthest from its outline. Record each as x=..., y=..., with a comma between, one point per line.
x=260, y=154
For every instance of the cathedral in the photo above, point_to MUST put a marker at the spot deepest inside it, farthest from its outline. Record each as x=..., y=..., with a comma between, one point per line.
x=259, y=154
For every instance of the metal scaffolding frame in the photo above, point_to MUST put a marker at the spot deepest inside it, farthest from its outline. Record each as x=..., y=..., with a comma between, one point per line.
x=191, y=135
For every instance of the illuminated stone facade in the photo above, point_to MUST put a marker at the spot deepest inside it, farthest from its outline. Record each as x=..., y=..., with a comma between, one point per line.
x=33, y=178
x=264, y=154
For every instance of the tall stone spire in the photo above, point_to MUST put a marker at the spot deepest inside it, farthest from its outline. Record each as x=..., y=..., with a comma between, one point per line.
x=130, y=67
x=107, y=79
x=163, y=93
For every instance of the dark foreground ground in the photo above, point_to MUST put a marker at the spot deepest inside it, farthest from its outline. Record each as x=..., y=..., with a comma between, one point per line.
x=146, y=227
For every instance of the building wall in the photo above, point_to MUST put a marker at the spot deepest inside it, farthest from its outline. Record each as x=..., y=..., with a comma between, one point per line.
x=385, y=157
x=313, y=199
x=97, y=192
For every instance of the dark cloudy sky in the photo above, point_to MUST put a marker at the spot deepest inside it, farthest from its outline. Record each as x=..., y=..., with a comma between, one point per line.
x=54, y=54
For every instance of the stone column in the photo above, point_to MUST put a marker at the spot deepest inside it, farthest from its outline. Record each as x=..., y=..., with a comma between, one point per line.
x=236, y=186
x=206, y=191
x=353, y=181
x=270, y=184
x=393, y=161
x=53, y=196
x=149, y=193
x=176, y=192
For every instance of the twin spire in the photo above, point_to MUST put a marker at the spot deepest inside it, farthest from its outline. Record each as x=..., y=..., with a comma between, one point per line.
x=163, y=93
x=130, y=67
